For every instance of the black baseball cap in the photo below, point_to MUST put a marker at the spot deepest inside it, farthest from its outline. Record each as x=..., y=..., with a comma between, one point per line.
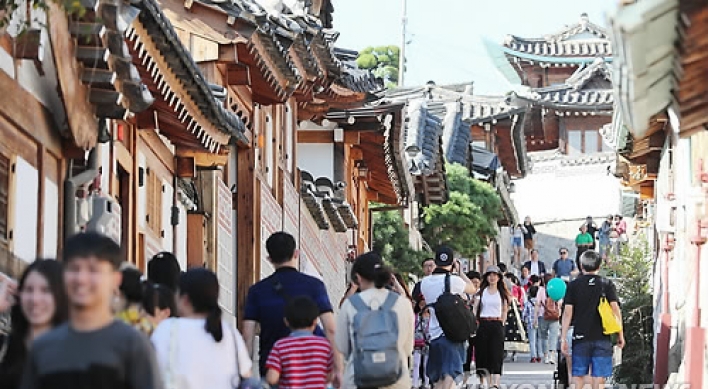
x=444, y=256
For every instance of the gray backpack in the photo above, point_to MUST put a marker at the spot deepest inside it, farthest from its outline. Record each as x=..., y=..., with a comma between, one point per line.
x=375, y=344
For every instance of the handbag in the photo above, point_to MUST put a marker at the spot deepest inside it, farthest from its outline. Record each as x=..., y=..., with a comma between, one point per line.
x=523, y=346
x=243, y=383
x=610, y=323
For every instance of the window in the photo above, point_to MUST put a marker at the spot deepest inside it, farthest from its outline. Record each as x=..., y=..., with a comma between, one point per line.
x=154, y=202
x=4, y=195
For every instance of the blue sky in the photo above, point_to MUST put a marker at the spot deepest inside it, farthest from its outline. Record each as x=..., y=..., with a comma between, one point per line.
x=446, y=35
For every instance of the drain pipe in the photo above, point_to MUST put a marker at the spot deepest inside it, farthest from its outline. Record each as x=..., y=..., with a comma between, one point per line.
x=70, y=185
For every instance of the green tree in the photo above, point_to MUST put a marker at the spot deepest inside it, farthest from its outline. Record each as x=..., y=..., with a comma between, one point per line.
x=631, y=271
x=383, y=61
x=391, y=241
x=468, y=220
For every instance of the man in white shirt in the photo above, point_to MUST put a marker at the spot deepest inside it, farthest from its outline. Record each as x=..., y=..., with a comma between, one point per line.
x=446, y=358
x=535, y=266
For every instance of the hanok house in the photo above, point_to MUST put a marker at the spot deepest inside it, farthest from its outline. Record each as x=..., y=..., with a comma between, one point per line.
x=660, y=132
x=564, y=100
x=280, y=72
x=79, y=69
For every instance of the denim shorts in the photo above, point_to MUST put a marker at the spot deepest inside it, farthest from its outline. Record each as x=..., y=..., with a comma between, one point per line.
x=518, y=242
x=445, y=359
x=592, y=353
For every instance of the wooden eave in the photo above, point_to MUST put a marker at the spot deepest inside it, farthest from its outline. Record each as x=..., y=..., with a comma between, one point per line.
x=692, y=92
x=181, y=118
x=505, y=149
x=83, y=124
x=267, y=85
x=371, y=145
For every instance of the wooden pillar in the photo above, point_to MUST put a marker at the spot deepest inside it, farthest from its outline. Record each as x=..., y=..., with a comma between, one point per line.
x=248, y=264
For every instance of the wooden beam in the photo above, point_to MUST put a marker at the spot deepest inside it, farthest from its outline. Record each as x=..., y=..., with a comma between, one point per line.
x=315, y=136
x=248, y=219
x=202, y=158
x=185, y=167
x=23, y=111
x=80, y=114
x=158, y=147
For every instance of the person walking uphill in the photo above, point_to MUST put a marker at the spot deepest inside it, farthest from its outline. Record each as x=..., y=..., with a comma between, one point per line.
x=375, y=330
x=266, y=301
x=591, y=348
x=447, y=356
x=492, y=313
x=93, y=350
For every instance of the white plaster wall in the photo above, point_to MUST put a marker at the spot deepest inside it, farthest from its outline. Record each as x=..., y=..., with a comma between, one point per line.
x=25, y=210
x=167, y=201
x=44, y=86
x=142, y=192
x=317, y=159
x=50, y=238
x=181, y=231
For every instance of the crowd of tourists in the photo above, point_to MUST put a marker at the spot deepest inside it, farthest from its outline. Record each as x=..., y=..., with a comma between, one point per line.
x=91, y=321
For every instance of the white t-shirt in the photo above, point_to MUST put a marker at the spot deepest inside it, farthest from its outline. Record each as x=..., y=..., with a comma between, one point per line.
x=432, y=287
x=491, y=304
x=534, y=268
x=190, y=358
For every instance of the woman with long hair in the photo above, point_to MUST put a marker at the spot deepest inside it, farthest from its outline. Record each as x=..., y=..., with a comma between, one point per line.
x=492, y=312
x=158, y=302
x=42, y=305
x=372, y=276
x=200, y=349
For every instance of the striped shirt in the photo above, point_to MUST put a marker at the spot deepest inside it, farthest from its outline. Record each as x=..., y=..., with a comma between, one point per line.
x=302, y=361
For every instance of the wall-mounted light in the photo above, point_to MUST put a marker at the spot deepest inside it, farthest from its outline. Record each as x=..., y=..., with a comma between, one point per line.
x=362, y=170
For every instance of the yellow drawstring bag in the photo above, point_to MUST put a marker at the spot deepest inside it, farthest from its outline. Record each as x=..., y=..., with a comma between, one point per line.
x=610, y=322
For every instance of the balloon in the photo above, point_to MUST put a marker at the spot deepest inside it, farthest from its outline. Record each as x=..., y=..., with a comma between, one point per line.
x=556, y=289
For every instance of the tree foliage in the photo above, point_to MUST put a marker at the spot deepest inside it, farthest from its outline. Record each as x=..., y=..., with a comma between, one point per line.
x=391, y=241
x=468, y=220
x=632, y=270
x=383, y=61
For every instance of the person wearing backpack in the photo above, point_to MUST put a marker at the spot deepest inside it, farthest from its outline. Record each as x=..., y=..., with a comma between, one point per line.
x=494, y=300
x=548, y=322
x=375, y=330
x=451, y=321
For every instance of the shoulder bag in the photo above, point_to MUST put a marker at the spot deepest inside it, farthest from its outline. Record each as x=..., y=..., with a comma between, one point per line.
x=610, y=322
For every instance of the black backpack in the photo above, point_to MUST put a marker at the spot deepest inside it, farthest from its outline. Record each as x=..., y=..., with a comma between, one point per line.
x=455, y=317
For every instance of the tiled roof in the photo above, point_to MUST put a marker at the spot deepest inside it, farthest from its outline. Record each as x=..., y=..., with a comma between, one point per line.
x=456, y=135
x=115, y=86
x=422, y=137
x=165, y=38
x=582, y=39
x=354, y=78
x=588, y=88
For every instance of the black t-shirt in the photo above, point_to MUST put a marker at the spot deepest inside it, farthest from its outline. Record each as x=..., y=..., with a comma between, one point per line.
x=530, y=231
x=584, y=295
x=592, y=229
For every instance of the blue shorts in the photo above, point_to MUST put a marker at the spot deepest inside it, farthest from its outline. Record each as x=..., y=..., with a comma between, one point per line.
x=593, y=353
x=518, y=242
x=446, y=358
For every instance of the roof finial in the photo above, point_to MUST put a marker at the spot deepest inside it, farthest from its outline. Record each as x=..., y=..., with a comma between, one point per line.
x=584, y=18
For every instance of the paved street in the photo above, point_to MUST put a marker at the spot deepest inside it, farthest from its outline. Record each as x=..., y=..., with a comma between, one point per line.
x=521, y=374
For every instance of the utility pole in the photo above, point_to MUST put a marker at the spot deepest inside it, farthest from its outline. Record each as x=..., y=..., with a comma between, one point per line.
x=402, y=53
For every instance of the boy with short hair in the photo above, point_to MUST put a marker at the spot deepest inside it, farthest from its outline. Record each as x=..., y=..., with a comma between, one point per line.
x=301, y=360
x=93, y=350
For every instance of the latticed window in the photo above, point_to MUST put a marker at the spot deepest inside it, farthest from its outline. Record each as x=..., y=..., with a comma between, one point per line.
x=4, y=194
x=154, y=203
